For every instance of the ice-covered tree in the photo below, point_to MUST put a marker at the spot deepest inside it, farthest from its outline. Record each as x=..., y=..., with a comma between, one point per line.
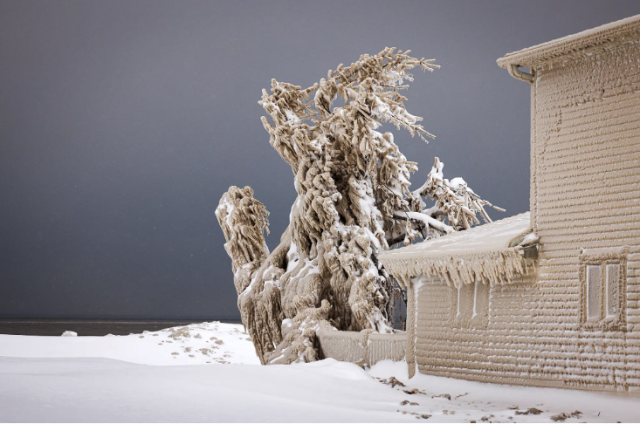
x=353, y=202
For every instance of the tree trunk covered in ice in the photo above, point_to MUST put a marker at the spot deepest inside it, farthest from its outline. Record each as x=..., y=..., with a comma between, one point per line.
x=353, y=202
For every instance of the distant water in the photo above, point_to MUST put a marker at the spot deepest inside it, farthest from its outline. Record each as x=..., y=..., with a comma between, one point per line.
x=55, y=327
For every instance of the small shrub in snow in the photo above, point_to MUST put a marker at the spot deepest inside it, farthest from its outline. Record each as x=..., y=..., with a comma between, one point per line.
x=532, y=411
x=563, y=415
x=445, y=395
x=392, y=381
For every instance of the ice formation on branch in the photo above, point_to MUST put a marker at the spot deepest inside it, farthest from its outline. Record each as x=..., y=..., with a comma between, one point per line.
x=353, y=202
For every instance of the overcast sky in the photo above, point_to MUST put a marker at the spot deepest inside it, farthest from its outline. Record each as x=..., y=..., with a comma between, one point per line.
x=123, y=122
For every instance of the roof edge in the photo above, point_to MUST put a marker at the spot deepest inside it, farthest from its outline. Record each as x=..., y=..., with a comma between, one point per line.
x=489, y=267
x=613, y=33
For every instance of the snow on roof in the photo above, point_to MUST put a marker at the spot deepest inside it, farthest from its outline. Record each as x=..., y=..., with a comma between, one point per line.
x=613, y=33
x=482, y=253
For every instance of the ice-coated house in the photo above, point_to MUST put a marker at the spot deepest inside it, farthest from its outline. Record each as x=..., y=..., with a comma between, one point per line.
x=550, y=297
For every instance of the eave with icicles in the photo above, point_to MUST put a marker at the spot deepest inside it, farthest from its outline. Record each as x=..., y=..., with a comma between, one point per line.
x=492, y=253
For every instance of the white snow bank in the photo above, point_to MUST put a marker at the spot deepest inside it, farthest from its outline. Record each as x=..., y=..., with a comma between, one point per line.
x=94, y=389
x=500, y=403
x=91, y=390
x=66, y=379
x=205, y=343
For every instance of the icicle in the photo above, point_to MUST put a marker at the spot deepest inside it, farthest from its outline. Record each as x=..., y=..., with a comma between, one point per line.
x=499, y=267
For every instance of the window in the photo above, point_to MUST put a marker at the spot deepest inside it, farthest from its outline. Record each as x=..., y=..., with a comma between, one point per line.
x=613, y=290
x=594, y=291
x=471, y=305
x=465, y=301
x=603, y=281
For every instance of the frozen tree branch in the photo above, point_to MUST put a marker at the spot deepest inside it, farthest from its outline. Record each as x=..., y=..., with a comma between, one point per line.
x=353, y=202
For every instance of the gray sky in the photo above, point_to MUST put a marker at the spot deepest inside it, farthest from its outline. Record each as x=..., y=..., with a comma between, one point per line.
x=123, y=122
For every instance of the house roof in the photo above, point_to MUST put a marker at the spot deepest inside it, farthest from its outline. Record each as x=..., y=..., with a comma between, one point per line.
x=492, y=253
x=584, y=42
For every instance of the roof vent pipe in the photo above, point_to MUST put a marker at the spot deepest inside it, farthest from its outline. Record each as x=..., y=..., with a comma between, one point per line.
x=521, y=75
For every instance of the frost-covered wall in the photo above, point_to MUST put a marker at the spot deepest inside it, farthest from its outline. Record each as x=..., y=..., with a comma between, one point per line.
x=587, y=149
x=586, y=211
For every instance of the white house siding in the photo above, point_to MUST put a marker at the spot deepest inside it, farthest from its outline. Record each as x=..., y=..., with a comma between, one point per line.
x=585, y=195
x=587, y=148
x=501, y=352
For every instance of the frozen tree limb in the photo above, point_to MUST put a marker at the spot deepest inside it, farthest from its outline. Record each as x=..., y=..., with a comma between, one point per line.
x=353, y=202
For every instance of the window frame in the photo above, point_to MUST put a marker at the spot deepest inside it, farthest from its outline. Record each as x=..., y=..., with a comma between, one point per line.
x=603, y=258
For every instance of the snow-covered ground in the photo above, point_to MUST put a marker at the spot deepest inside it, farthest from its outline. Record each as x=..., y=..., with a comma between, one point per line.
x=117, y=378
x=208, y=342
